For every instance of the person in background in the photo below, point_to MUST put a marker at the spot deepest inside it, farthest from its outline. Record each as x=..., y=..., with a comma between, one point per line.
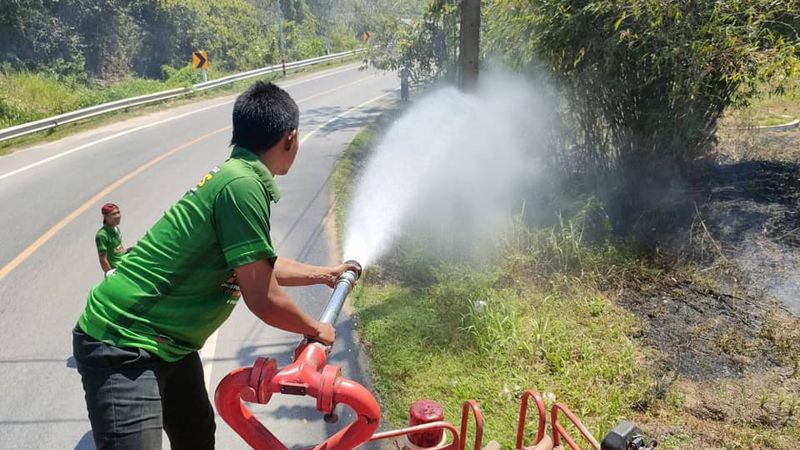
x=109, y=239
x=404, y=76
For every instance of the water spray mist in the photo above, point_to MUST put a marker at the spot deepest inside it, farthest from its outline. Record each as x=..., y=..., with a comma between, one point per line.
x=455, y=165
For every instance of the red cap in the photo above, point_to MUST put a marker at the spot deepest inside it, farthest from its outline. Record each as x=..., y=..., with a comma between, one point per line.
x=108, y=208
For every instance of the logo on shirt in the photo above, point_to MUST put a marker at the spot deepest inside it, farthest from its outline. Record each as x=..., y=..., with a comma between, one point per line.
x=231, y=286
x=205, y=179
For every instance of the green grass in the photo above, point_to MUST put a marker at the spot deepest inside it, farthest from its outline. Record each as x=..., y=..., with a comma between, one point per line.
x=769, y=120
x=543, y=316
x=26, y=97
x=773, y=109
x=571, y=344
x=435, y=339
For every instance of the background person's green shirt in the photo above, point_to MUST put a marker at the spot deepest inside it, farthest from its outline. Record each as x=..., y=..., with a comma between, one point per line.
x=177, y=285
x=109, y=241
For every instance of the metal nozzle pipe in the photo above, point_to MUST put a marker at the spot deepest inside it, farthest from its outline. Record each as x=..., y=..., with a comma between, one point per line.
x=344, y=284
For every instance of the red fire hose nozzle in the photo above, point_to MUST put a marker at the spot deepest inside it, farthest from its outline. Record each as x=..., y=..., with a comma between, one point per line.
x=309, y=375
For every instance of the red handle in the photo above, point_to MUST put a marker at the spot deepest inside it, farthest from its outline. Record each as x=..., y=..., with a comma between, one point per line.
x=228, y=399
x=368, y=415
x=307, y=375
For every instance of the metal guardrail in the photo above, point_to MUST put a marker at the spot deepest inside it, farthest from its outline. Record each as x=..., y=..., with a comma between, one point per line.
x=85, y=113
x=782, y=127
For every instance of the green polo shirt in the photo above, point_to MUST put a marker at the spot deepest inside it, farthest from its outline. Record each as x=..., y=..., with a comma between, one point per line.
x=177, y=285
x=109, y=241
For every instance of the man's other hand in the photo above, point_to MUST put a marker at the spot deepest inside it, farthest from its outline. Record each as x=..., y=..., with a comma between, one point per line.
x=326, y=333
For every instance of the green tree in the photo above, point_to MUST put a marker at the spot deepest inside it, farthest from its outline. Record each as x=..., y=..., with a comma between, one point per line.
x=426, y=46
x=32, y=37
x=295, y=10
x=110, y=37
x=646, y=81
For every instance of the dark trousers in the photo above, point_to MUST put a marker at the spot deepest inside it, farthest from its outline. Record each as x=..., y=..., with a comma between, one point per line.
x=132, y=394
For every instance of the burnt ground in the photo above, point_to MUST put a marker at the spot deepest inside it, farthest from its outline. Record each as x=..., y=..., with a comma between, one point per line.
x=746, y=236
x=754, y=211
x=725, y=327
x=744, y=248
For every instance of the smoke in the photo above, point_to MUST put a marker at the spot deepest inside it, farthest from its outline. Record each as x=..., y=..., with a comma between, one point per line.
x=455, y=166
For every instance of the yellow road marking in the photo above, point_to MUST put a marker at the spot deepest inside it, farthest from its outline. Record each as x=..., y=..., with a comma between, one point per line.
x=96, y=198
x=32, y=248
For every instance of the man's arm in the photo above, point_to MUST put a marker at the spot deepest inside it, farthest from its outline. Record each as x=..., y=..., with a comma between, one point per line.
x=289, y=272
x=267, y=300
x=104, y=264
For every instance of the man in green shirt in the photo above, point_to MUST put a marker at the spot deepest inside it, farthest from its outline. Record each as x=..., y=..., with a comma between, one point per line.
x=109, y=239
x=137, y=341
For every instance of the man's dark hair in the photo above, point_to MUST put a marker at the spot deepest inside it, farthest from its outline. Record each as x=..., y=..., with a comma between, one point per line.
x=262, y=115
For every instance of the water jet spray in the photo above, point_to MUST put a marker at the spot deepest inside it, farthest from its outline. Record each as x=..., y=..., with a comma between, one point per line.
x=461, y=161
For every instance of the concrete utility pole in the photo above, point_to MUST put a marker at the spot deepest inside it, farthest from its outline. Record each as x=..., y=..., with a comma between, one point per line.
x=282, y=39
x=469, y=48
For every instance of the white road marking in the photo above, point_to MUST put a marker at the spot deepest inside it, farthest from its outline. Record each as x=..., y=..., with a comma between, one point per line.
x=100, y=141
x=209, y=350
x=133, y=130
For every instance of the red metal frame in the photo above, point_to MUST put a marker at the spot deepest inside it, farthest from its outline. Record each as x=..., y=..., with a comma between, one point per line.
x=523, y=412
x=471, y=406
x=454, y=445
x=559, y=431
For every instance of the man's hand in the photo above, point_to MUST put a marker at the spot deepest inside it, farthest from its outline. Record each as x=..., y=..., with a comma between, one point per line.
x=104, y=264
x=332, y=273
x=293, y=273
x=326, y=333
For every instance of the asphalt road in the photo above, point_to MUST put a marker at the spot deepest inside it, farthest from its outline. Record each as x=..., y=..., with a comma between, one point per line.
x=50, y=198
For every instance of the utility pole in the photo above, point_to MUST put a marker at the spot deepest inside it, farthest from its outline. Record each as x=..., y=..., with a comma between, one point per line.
x=282, y=39
x=469, y=48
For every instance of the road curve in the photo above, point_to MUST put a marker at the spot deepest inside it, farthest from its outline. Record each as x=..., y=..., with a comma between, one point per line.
x=51, y=195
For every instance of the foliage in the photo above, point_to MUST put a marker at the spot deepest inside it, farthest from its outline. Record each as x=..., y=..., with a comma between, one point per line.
x=29, y=31
x=25, y=97
x=114, y=39
x=645, y=81
x=426, y=47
